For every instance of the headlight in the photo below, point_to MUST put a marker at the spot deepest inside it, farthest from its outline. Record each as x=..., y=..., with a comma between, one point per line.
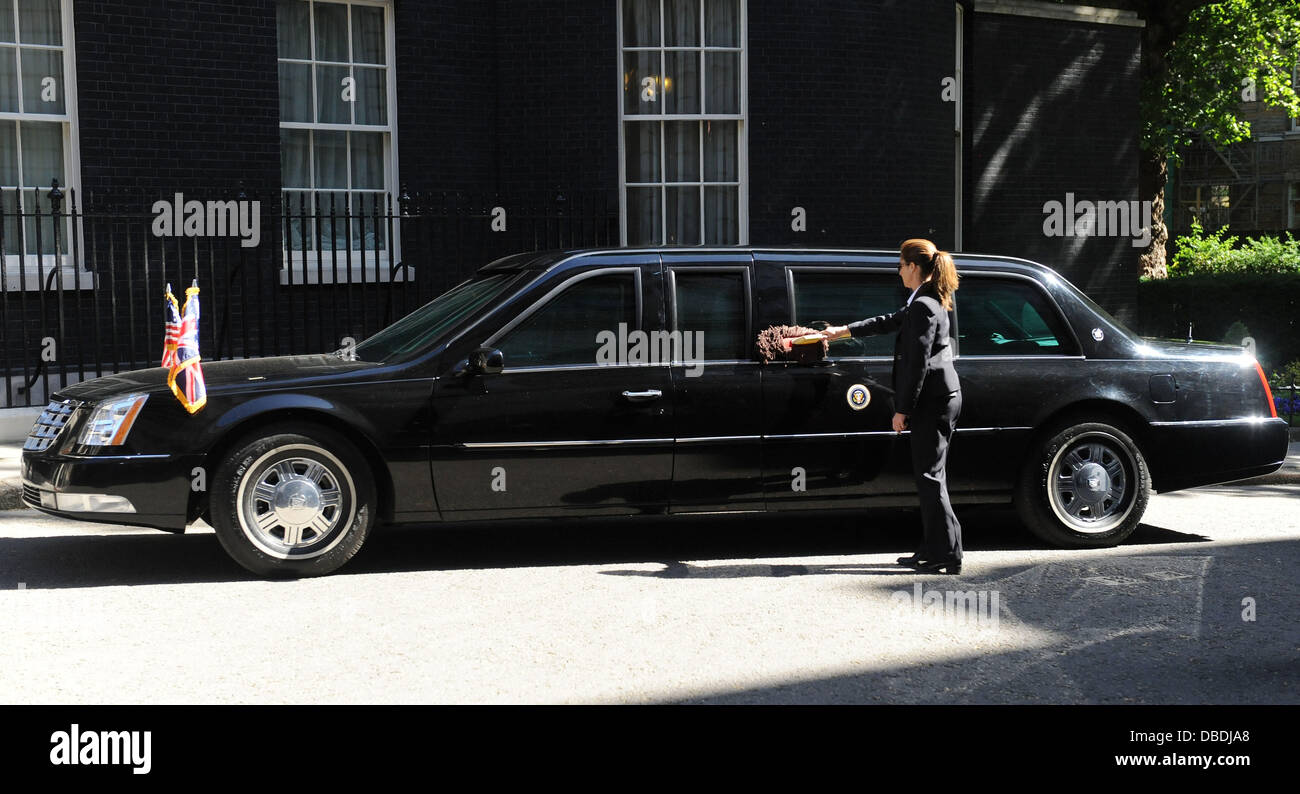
x=112, y=421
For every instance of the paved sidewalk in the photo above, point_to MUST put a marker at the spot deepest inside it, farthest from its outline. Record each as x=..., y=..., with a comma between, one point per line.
x=11, y=480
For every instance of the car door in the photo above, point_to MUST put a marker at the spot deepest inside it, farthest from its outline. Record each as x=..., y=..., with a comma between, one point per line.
x=716, y=387
x=572, y=424
x=1013, y=346
x=826, y=426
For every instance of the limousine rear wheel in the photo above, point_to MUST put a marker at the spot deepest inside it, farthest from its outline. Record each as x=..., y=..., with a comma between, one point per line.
x=1086, y=485
x=297, y=503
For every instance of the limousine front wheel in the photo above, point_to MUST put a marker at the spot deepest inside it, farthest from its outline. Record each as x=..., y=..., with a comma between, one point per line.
x=297, y=503
x=1086, y=485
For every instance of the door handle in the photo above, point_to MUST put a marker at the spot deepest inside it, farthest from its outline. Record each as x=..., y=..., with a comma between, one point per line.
x=642, y=396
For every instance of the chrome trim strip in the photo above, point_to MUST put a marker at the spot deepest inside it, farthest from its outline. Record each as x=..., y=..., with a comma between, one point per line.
x=1241, y=420
x=594, y=443
x=694, y=439
x=117, y=457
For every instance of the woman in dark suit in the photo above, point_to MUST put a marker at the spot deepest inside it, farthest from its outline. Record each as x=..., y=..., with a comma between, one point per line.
x=927, y=396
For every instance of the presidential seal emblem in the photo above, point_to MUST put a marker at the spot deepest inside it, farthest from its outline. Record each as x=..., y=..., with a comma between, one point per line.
x=858, y=396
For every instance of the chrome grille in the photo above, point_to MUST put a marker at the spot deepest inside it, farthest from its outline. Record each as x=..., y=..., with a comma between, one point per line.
x=31, y=496
x=48, y=426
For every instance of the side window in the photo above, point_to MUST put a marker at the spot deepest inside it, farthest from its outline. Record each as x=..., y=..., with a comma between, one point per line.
x=1004, y=317
x=565, y=329
x=842, y=298
x=713, y=304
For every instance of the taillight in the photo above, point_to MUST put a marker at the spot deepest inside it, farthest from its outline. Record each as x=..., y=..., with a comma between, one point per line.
x=1268, y=393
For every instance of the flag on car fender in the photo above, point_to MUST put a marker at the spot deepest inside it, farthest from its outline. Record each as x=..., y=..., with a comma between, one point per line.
x=181, y=350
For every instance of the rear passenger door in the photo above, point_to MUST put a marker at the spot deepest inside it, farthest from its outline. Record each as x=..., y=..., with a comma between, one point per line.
x=821, y=448
x=716, y=384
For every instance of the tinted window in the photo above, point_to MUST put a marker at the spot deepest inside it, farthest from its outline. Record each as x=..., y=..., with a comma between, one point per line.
x=564, y=330
x=421, y=328
x=713, y=304
x=1004, y=317
x=843, y=298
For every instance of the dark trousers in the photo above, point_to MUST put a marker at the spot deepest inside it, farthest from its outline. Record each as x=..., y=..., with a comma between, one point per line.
x=932, y=424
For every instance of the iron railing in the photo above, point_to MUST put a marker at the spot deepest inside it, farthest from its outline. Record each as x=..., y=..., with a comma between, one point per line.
x=83, y=287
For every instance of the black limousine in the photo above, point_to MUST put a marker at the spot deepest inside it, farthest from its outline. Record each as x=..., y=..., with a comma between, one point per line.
x=626, y=381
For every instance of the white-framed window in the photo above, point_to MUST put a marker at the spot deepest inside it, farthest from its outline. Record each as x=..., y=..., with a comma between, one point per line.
x=683, y=103
x=1293, y=206
x=338, y=140
x=38, y=145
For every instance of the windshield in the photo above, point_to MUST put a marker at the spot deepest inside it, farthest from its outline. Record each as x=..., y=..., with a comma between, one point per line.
x=422, y=327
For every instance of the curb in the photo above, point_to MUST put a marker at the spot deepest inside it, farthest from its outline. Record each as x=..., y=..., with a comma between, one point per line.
x=11, y=494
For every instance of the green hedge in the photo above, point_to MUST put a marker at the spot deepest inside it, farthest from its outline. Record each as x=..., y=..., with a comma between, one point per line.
x=1268, y=305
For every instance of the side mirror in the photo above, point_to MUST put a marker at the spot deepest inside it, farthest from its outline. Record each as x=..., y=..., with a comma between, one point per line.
x=484, y=361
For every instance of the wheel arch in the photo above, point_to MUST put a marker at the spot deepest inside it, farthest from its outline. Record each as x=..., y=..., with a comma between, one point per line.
x=231, y=435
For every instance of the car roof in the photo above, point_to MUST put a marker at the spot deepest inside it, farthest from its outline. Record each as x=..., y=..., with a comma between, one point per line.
x=545, y=260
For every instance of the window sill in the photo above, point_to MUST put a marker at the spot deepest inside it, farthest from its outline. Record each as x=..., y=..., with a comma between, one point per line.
x=34, y=278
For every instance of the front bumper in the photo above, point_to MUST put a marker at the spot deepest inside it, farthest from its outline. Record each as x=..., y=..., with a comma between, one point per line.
x=157, y=487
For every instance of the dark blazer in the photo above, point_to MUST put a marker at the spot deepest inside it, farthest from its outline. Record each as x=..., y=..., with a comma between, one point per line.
x=922, y=349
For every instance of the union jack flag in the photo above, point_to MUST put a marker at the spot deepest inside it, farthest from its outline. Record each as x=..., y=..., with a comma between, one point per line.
x=181, y=350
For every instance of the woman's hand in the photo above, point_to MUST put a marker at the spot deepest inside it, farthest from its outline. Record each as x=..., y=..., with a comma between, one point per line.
x=900, y=422
x=836, y=332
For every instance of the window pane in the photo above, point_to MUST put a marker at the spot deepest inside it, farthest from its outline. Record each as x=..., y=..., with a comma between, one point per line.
x=43, y=81
x=370, y=224
x=8, y=80
x=40, y=22
x=372, y=95
x=295, y=92
x=42, y=154
x=721, y=215
x=683, y=216
x=682, y=23
x=293, y=29
x=641, y=82
x=713, y=304
x=723, y=70
x=722, y=23
x=368, y=44
x=641, y=23
x=641, y=143
x=9, y=156
x=331, y=208
x=298, y=227
x=720, y=147
x=842, y=299
x=565, y=330
x=682, y=151
x=295, y=162
x=331, y=157
x=331, y=108
x=644, y=215
x=368, y=160
x=1007, y=318
x=682, y=82
x=7, y=22
x=331, y=32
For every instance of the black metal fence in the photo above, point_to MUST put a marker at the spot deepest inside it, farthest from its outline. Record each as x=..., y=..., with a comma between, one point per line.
x=83, y=287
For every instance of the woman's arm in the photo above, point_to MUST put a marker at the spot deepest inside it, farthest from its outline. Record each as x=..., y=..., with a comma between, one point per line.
x=881, y=324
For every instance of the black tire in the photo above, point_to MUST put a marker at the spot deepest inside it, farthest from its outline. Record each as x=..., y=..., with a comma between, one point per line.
x=1084, y=485
x=298, y=502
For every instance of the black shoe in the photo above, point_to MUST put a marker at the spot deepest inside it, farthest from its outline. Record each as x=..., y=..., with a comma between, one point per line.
x=911, y=562
x=951, y=567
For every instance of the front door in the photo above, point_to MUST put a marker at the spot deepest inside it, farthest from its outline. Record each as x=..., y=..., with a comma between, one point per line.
x=571, y=425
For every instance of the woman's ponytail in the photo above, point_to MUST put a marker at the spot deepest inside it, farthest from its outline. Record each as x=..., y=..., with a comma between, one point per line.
x=925, y=255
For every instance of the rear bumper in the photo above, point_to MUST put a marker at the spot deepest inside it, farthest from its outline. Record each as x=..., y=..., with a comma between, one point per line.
x=156, y=487
x=1190, y=454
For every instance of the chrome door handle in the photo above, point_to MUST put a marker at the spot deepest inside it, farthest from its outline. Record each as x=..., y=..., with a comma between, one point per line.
x=642, y=396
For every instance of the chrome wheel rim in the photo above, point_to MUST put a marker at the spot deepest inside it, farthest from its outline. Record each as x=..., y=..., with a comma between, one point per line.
x=293, y=505
x=1089, y=483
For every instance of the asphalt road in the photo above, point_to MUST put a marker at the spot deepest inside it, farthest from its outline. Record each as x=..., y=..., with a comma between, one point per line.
x=706, y=610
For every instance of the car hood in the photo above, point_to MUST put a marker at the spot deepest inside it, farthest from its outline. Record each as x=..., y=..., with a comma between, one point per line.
x=223, y=376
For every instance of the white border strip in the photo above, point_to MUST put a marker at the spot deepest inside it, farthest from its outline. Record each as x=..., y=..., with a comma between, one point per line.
x=1073, y=13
